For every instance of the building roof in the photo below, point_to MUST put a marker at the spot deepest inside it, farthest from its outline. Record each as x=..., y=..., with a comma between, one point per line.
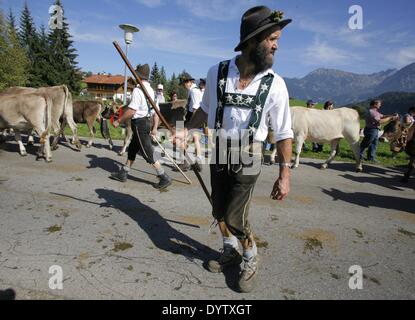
x=105, y=79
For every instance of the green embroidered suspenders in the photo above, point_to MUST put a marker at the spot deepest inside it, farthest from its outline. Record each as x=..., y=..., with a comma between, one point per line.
x=255, y=103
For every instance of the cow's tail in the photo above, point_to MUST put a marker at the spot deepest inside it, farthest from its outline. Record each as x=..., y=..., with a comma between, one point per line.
x=48, y=119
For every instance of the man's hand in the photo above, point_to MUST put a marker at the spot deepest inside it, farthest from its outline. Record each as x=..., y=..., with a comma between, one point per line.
x=154, y=133
x=281, y=188
x=116, y=124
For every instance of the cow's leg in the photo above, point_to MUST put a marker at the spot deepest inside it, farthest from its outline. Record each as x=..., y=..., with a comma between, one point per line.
x=30, y=139
x=44, y=149
x=91, y=133
x=408, y=173
x=299, y=141
x=18, y=138
x=3, y=136
x=353, y=140
x=356, y=152
x=57, y=136
x=111, y=144
x=127, y=139
x=105, y=132
x=333, y=151
x=74, y=129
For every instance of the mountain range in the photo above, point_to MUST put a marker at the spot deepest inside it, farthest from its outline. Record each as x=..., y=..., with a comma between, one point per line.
x=348, y=88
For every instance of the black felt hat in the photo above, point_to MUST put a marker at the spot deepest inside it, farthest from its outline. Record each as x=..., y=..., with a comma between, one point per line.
x=143, y=71
x=257, y=20
x=186, y=77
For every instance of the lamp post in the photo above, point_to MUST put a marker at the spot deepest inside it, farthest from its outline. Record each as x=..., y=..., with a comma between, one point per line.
x=129, y=30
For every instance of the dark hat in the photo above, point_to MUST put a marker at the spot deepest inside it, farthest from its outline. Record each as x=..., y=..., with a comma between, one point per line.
x=143, y=71
x=258, y=19
x=186, y=77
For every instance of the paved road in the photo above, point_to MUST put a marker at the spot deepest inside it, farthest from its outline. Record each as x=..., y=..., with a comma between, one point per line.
x=129, y=241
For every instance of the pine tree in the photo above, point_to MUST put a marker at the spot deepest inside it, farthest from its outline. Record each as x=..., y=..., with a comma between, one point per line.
x=3, y=47
x=155, y=76
x=12, y=20
x=173, y=85
x=43, y=69
x=163, y=78
x=13, y=60
x=27, y=33
x=63, y=55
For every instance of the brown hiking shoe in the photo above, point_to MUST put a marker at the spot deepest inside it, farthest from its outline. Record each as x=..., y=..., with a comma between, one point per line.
x=247, y=278
x=229, y=257
x=164, y=182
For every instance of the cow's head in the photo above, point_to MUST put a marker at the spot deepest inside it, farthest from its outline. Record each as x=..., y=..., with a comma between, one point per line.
x=396, y=135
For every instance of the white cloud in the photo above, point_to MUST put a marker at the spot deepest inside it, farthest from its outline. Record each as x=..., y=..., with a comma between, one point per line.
x=321, y=53
x=171, y=39
x=402, y=56
x=318, y=27
x=103, y=36
x=341, y=34
x=151, y=3
x=356, y=38
x=180, y=41
x=220, y=10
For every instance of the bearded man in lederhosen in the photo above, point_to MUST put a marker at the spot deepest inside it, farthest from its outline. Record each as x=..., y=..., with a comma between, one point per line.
x=241, y=94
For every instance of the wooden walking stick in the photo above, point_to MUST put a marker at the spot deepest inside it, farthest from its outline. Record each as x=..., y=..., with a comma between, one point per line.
x=151, y=101
x=172, y=160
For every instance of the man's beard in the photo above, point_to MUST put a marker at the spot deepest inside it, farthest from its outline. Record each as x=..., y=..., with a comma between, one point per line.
x=259, y=57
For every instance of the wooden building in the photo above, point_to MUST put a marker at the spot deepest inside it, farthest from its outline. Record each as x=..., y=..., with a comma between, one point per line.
x=108, y=87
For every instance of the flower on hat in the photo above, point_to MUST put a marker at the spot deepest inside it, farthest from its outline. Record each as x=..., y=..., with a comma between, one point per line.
x=276, y=16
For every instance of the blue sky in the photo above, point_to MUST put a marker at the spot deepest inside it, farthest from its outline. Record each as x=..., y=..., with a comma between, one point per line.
x=195, y=34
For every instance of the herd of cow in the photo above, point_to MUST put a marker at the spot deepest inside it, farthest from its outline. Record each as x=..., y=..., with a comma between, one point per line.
x=49, y=110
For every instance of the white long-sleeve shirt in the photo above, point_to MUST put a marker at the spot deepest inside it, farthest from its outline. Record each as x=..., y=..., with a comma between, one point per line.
x=236, y=119
x=139, y=102
x=195, y=98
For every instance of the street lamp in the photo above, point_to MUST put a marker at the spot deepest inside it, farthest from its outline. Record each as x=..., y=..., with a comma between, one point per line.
x=129, y=30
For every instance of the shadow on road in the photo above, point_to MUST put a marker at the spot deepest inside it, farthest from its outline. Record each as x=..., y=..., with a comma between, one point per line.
x=104, y=163
x=350, y=166
x=110, y=165
x=393, y=182
x=159, y=231
x=373, y=200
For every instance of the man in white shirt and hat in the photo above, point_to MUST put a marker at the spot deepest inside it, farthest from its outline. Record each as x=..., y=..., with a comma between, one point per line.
x=240, y=95
x=141, y=113
x=160, y=94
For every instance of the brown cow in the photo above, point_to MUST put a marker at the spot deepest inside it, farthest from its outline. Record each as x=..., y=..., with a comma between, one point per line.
x=25, y=112
x=61, y=108
x=85, y=112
